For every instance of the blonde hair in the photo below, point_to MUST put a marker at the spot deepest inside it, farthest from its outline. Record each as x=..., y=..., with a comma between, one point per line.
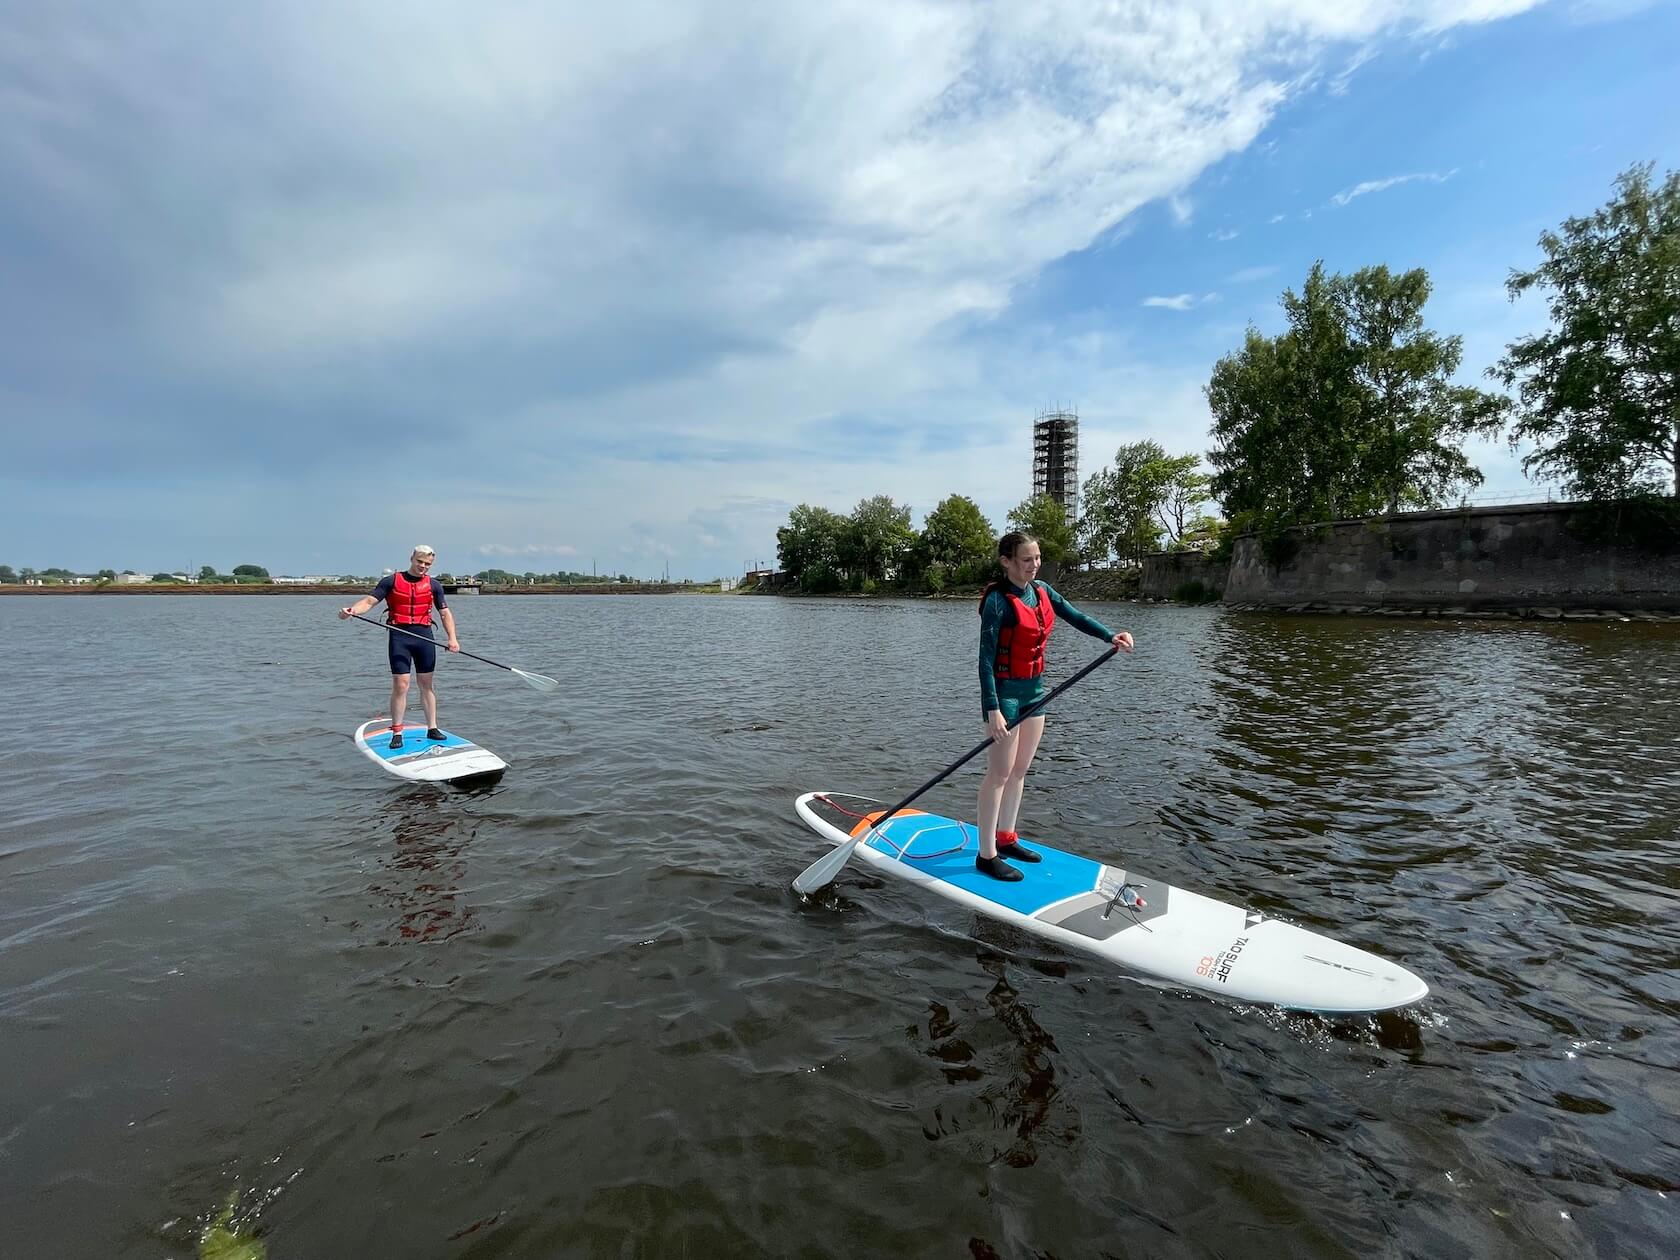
x=423, y=550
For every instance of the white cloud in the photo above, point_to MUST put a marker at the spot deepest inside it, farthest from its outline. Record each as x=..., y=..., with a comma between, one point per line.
x=514, y=550
x=1181, y=301
x=1393, y=181
x=1223, y=234
x=1588, y=12
x=1344, y=78
x=624, y=256
x=1248, y=275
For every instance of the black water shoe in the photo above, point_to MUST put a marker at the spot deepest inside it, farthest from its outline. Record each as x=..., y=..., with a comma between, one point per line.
x=396, y=739
x=997, y=868
x=433, y=733
x=1018, y=852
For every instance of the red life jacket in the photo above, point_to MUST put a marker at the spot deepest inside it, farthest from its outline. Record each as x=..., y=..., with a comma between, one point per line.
x=410, y=600
x=1020, y=651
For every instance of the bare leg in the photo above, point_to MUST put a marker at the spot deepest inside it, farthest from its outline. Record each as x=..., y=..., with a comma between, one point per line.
x=999, y=757
x=428, y=699
x=1026, y=747
x=399, y=700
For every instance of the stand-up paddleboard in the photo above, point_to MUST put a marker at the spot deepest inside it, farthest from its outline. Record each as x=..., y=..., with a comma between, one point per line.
x=1129, y=918
x=446, y=760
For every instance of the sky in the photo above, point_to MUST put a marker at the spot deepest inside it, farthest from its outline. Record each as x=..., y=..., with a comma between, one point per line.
x=613, y=288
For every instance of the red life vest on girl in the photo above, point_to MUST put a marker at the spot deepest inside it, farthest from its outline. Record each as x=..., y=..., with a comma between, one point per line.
x=410, y=600
x=1020, y=651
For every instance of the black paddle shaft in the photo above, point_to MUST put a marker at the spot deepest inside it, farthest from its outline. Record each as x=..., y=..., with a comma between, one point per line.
x=425, y=638
x=1032, y=710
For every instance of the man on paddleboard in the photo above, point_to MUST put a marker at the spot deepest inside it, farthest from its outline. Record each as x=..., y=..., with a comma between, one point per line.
x=1016, y=614
x=410, y=597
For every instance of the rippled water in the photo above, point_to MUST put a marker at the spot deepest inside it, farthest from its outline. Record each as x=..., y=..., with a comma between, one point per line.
x=583, y=1014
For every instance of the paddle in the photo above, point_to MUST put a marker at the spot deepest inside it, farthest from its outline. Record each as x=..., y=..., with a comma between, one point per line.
x=821, y=873
x=541, y=682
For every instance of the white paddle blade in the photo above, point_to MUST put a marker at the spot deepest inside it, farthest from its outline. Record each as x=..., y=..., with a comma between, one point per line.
x=821, y=873
x=542, y=682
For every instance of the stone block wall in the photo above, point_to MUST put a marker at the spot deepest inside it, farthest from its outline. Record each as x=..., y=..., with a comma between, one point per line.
x=1468, y=558
x=1168, y=572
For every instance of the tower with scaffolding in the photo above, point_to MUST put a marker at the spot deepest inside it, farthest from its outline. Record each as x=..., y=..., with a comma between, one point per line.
x=1056, y=458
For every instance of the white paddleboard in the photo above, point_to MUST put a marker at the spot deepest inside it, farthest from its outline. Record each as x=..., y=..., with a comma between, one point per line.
x=446, y=760
x=1131, y=919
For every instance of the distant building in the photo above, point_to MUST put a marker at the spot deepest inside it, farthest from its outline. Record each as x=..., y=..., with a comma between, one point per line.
x=133, y=579
x=1056, y=459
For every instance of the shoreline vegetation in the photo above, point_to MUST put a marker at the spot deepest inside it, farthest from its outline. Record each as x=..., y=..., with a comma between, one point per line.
x=348, y=588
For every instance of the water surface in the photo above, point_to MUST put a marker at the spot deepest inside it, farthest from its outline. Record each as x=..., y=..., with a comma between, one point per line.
x=582, y=1013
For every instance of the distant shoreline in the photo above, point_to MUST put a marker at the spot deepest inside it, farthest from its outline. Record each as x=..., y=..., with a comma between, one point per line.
x=293, y=588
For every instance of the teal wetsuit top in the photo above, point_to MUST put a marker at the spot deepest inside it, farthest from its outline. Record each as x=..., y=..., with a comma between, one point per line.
x=1010, y=694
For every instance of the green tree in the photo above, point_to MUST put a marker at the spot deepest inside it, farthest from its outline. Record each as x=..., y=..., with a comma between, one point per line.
x=1264, y=457
x=876, y=540
x=1124, y=503
x=249, y=570
x=808, y=547
x=1415, y=417
x=7, y=574
x=1181, y=512
x=1045, y=519
x=207, y=573
x=1599, y=394
x=1201, y=533
x=163, y=577
x=956, y=544
x=1350, y=412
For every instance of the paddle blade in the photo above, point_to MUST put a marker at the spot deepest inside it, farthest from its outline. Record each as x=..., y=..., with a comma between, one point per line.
x=821, y=873
x=541, y=682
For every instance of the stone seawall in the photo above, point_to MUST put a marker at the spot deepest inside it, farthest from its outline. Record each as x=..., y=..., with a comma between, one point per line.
x=1096, y=584
x=1172, y=574
x=1516, y=560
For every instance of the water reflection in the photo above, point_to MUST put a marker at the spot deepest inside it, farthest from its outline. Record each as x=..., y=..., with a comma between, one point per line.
x=1020, y=1102
x=421, y=853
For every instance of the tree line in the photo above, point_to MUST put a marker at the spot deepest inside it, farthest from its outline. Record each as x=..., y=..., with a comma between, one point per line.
x=1354, y=410
x=1148, y=500
x=58, y=576
x=244, y=574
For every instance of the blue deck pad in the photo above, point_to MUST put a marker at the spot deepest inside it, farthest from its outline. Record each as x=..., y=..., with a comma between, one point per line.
x=1058, y=877
x=414, y=740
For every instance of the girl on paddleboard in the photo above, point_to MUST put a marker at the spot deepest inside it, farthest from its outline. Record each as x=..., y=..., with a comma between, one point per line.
x=1017, y=612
